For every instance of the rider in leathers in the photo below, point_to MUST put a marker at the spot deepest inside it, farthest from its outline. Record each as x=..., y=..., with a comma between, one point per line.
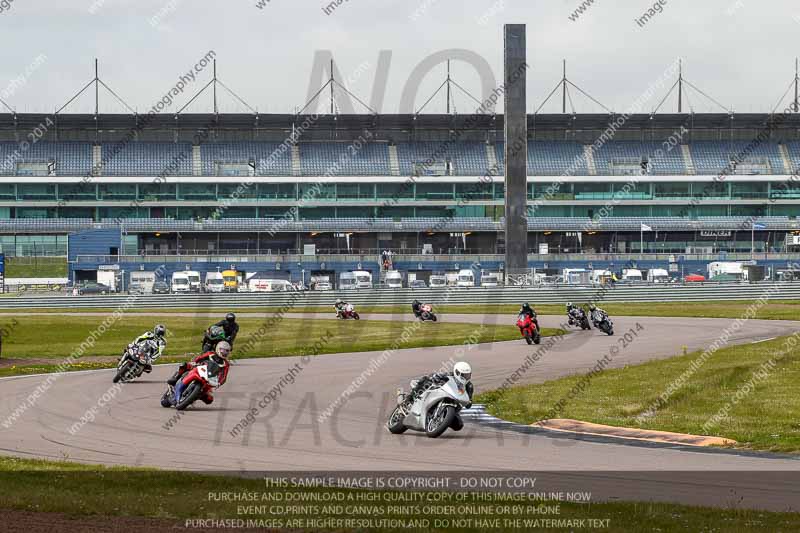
x=157, y=336
x=597, y=314
x=220, y=356
x=526, y=309
x=462, y=373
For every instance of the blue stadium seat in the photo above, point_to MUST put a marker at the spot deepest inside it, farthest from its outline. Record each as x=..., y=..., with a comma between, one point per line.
x=70, y=158
x=269, y=158
x=614, y=158
x=714, y=157
x=344, y=159
x=147, y=159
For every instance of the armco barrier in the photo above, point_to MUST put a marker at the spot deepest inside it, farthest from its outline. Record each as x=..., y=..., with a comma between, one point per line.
x=495, y=295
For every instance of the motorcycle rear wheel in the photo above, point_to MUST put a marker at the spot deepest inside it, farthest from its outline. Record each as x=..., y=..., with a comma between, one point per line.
x=436, y=426
x=189, y=395
x=395, y=424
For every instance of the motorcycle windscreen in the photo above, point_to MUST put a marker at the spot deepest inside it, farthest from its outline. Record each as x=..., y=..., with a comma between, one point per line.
x=456, y=391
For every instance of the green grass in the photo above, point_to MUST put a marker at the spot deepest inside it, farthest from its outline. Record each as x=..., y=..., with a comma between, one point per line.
x=54, y=337
x=91, y=490
x=766, y=418
x=774, y=310
x=36, y=267
x=57, y=336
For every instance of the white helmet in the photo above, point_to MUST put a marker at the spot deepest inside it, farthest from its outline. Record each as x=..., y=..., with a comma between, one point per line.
x=462, y=372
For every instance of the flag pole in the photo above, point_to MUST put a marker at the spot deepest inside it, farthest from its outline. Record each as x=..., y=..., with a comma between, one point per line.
x=641, y=241
x=752, y=239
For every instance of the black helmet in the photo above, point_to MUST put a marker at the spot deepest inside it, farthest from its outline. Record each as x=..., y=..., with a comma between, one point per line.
x=159, y=330
x=230, y=317
x=526, y=305
x=592, y=307
x=416, y=302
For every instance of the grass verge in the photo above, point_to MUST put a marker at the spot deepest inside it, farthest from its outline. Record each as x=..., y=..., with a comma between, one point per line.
x=774, y=310
x=36, y=267
x=53, y=337
x=83, y=491
x=749, y=393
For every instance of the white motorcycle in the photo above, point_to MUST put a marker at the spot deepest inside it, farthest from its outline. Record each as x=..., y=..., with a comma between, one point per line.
x=435, y=409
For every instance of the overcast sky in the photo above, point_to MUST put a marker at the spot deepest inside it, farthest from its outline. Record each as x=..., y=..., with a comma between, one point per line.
x=741, y=52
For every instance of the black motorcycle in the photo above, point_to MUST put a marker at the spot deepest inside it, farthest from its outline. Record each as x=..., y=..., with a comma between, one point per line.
x=134, y=360
x=577, y=317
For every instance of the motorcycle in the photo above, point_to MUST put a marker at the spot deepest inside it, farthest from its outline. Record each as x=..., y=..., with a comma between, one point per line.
x=196, y=381
x=348, y=312
x=528, y=329
x=133, y=361
x=426, y=313
x=433, y=411
x=605, y=325
x=577, y=317
x=213, y=336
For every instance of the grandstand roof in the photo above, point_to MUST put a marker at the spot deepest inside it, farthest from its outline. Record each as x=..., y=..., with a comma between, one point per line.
x=10, y=121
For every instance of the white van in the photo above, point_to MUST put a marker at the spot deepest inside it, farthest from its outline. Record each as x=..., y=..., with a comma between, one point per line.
x=347, y=281
x=632, y=275
x=268, y=285
x=194, y=280
x=363, y=279
x=180, y=282
x=394, y=280
x=658, y=275
x=437, y=282
x=144, y=281
x=490, y=280
x=466, y=278
x=214, y=282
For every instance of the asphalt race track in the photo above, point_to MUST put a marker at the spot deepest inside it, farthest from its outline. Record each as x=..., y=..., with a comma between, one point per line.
x=131, y=428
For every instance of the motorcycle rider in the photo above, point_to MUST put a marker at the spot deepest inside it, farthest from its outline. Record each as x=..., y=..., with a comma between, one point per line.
x=462, y=374
x=157, y=336
x=527, y=310
x=416, y=307
x=597, y=314
x=230, y=326
x=574, y=313
x=220, y=356
x=340, y=306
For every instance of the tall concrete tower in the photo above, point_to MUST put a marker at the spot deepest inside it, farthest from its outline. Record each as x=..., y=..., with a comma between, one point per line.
x=516, y=150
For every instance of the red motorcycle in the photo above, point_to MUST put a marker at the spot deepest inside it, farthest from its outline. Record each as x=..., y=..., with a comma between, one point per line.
x=195, y=383
x=348, y=312
x=528, y=329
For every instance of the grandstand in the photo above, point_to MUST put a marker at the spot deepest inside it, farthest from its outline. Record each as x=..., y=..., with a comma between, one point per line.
x=356, y=184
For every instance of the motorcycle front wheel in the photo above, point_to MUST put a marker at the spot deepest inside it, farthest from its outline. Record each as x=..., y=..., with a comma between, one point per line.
x=528, y=338
x=123, y=372
x=395, y=424
x=190, y=394
x=166, y=398
x=537, y=338
x=356, y=316
x=438, y=424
